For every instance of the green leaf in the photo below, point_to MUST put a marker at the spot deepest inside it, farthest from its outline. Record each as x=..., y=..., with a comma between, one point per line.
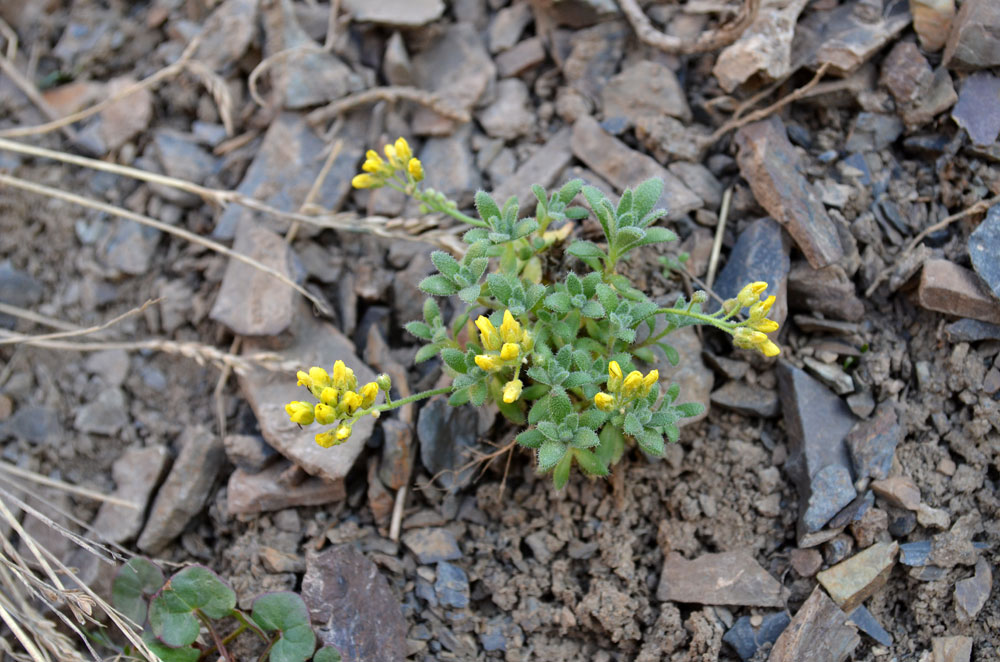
x=167, y=654
x=670, y=352
x=438, y=285
x=425, y=353
x=585, y=438
x=629, y=235
x=135, y=582
x=569, y=191
x=532, y=438
x=459, y=397
x=607, y=297
x=171, y=613
x=432, y=312
x=672, y=392
x=454, y=358
x=645, y=354
x=646, y=195
x=589, y=462
x=612, y=445
x=651, y=442
x=585, y=249
x=577, y=379
x=561, y=474
x=525, y=227
x=573, y=284
x=327, y=654
x=689, y=409
x=476, y=235
x=487, y=208
x=534, y=391
x=539, y=410
x=533, y=295
x=499, y=287
x=592, y=418
x=419, y=329
x=549, y=454
x=559, y=405
x=469, y=294
x=285, y=612
x=549, y=430
x=445, y=263
x=511, y=411
x=673, y=434
x=593, y=310
x=656, y=235
x=632, y=426
x=478, y=393
x=559, y=302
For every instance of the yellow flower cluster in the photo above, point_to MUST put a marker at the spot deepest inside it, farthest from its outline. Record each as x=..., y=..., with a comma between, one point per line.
x=399, y=160
x=339, y=399
x=504, y=348
x=752, y=335
x=624, y=389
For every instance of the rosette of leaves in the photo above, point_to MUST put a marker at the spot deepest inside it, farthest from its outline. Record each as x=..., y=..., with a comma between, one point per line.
x=454, y=277
x=626, y=226
x=433, y=330
x=553, y=375
x=503, y=224
x=556, y=207
x=512, y=293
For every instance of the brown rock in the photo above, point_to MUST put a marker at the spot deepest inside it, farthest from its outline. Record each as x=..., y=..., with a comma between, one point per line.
x=397, y=453
x=763, y=51
x=262, y=492
x=541, y=168
x=974, y=42
x=251, y=302
x=395, y=13
x=818, y=633
x=127, y=118
x=525, y=55
x=900, y=491
x=871, y=528
x=728, y=578
x=277, y=561
x=625, y=167
x=828, y=291
x=952, y=649
x=948, y=288
x=71, y=97
x=850, y=582
x=769, y=163
x=314, y=343
x=379, y=499
x=186, y=489
x=921, y=93
x=806, y=562
x=846, y=36
x=954, y=547
x=594, y=57
x=229, y=30
x=971, y=594
x=353, y=606
x=507, y=25
x=932, y=518
x=644, y=88
x=136, y=473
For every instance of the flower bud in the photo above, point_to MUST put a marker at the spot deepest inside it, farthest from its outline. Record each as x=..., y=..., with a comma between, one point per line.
x=510, y=351
x=349, y=402
x=486, y=362
x=325, y=414
x=699, y=296
x=384, y=382
x=403, y=150
x=329, y=395
x=343, y=432
x=604, y=401
x=750, y=293
x=632, y=384
x=615, y=377
x=326, y=439
x=649, y=380
x=416, y=170
x=300, y=412
x=368, y=393
x=366, y=180
x=512, y=390
x=488, y=333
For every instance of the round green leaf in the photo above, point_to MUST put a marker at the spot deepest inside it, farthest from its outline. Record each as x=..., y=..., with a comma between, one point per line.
x=327, y=654
x=171, y=613
x=167, y=654
x=286, y=613
x=136, y=580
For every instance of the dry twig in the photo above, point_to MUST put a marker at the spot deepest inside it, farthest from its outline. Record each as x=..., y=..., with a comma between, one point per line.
x=709, y=40
x=720, y=231
x=79, y=332
x=391, y=94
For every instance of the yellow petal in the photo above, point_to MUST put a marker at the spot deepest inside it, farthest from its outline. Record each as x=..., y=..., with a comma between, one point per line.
x=326, y=439
x=632, y=384
x=509, y=351
x=510, y=330
x=403, y=150
x=365, y=180
x=368, y=393
x=750, y=293
x=615, y=376
x=303, y=379
x=486, y=362
x=604, y=401
x=416, y=169
x=300, y=412
x=350, y=402
x=764, y=325
x=325, y=414
x=769, y=349
x=329, y=396
x=512, y=390
x=488, y=333
x=343, y=432
x=649, y=380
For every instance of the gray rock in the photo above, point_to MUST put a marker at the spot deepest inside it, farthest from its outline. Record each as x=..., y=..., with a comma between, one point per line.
x=699, y=179
x=507, y=25
x=845, y=37
x=316, y=343
x=451, y=586
x=952, y=649
x=34, y=424
x=18, y=288
x=396, y=65
x=829, y=291
x=644, y=88
x=973, y=42
x=691, y=374
x=867, y=624
x=921, y=93
x=971, y=594
x=830, y=374
x=229, y=30
x=451, y=166
x=970, y=330
x=526, y=55
x=251, y=302
x=830, y=490
x=984, y=247
x=746, y=639
x=727, y=578
x=106, y=415
x=407, y=298
x=746, y=399
x=123, y=120
x=249, y=452
x=111, y=365
x=130, y=247
x=182, y=156
x=594, y=56
x=432, y=545
x=872, y=132
x=266, y=490
x=447, y=435
x=540, y=168
x=284, y=170
x=948, y=288
x=186, y=489
x=353, y=607
x=395, y=13
x=872, y=443
x=510, y=115
x=819, y=631
x=854, y=511
x=760, y=254
x=136, y=474
x=976, y=110
x=396, y=463
x=915, y=553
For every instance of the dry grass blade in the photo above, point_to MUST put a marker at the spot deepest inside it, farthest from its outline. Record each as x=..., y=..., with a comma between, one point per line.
x=709, y=40
x=79, y=332
x=6, y=467
x=217, y=87
x=390, y=93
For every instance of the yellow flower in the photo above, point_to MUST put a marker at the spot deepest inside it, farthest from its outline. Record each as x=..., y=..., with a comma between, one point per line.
x=343, y=377
x=527, y=341
x=343, y=432
x=749, y=337
x=488, y=333
x=512, y=390
x=769, y=349
x=300, y=412
x=632, y=384
x=509, y=351
x=325, y=414
x=326, y=439
x=416, y=170
x=373, y=162
x=750, y=293
x=350, y=402
x=365, y=180
x=510, y=330
x=486, y=362
x=368, y=393
x=764, y=325
x=649, y=380
x=329, y=396
x=319, y=377
x=403, y=149
x=303, y=379
x=762, y=308
x=614, y=377
x=604, y=401
x=552, y=236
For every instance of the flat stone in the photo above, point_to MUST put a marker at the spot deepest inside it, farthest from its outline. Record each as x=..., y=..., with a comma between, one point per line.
x=817, y=422
x=127, y=118
x=451, y=586
x=594, y=57
x=952, y=649
x=130, y=247
x=760, y=254
x=974, y=40
x=447, y=435
x=507, y=25
x=186, y=489
x=395, y=13
x=763, y=52
x=871, y=132
x=699, y=179
x=458, y=68
x=35, y=425
x=526, y=55
x=283, y=171
x=396, y=463
x=806, y=562
x=984, y=246
x=852, y=581
x=106, y=415
x=932, y=518
x=727, y=578
x=315, y=343
x=969, y=330
x=396, y=64
x=111, y=365
x=251, y=302
x=627, y=168
x=431, y=545
x=511, y=115
x=18, y=288
x=915, y=554
x=854, y=511
x=136, y=474
x=182, y=156
x=746, y=639
x=955, y=546
x=828, y=291
x=818, y=633
x=948, y=288
x=581, y=13
x=978, y=108
x=644, y=88
x=846, y=36
x=872, y=443
x=920, y=92
x=830, y=374
x=229, y=30
x=971, y=594
x=353, y=607
x=451, y=166
x=900, y=491
x=540, y=168
x=667, y=138
x=746, y=399
x=867, y=624
x=769, y=163
x=276, y=561
x=249, y=452
x=264, y=491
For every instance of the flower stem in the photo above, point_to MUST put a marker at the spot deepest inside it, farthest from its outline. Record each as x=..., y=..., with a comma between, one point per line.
x=410, y=398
